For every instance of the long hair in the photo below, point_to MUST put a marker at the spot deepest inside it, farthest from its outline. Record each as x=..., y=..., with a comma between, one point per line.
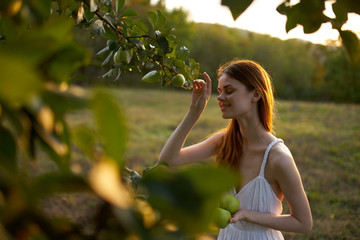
x=254, y=77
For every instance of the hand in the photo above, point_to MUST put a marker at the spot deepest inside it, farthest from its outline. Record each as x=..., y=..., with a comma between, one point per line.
x=240, y=215
x=201, y=93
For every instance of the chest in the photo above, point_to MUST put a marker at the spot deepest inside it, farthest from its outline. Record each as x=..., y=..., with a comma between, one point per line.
x=250, y=165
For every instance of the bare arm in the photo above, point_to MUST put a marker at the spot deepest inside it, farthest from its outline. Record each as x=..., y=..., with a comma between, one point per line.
x=300, y=219
x=173, y=152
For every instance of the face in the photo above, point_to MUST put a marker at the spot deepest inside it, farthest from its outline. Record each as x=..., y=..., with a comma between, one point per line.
x=234, y=99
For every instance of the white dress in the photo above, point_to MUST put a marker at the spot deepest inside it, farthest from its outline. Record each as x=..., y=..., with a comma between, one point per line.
x=258, y=196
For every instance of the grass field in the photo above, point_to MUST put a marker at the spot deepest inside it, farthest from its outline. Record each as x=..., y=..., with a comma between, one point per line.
x=323, y=137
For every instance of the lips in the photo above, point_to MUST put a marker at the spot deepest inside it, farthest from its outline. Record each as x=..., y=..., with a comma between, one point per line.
x=223, y=106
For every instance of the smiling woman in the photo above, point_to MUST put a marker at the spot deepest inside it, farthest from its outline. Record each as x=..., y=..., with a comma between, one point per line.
x=248, y=147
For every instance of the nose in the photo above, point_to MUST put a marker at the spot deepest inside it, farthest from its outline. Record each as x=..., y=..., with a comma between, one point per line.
x=221, y=97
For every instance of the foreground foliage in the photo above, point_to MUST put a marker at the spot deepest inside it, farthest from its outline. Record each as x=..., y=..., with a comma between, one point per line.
x=39, y=60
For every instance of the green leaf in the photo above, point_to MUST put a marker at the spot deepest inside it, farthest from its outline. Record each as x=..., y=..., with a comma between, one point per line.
x=88, y=14
x=187, y=196
x=142, y=25
x=341, y=15
x=163, y=44
x=19, y=79
x=128, y=55
x=39, y=10
x=236, y=7
x=109, y=33
x=110, y=19
x=152, y=18
x=108, y=74
x=351, y=44
x=119, y=5
x=107, y=60
x=65, y=61
x=161, y=20
x=182, y=53
x=110, y=123
x=84, y=139
x=102, y=51
x=7, y=149
x=129, y=13
x=73, y=99
x=151, y=77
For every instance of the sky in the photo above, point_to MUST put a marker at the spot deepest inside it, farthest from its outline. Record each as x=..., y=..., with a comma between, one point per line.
x=260, y=17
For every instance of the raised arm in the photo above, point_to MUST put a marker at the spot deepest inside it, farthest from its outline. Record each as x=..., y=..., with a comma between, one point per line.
x=173, y=152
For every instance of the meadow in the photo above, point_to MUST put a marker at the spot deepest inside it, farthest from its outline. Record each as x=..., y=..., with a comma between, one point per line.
x=324, y=139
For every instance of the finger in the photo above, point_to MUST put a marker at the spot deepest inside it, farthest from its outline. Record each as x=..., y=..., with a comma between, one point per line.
x=208, y=83
x=198, y=84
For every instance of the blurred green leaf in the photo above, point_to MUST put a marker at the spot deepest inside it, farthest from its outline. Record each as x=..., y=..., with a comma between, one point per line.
x=236, y=7
x=65, y=61
x=163, y=44
x=39, y=10
x=188, y=195
x=352, y=45
x=18, y=75
x=119, y=5
x=142, y=25
x=161, y=20
x=307, y=13
x=182, y=53
x=152, y=18
x=348, y=6
x=109, y=33
x=73, y=99
x=110, y=124
x=7, y=149
x=129, y=13
x=341, y=15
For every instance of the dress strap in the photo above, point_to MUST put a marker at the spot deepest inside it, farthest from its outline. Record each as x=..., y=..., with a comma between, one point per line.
x=267, y=154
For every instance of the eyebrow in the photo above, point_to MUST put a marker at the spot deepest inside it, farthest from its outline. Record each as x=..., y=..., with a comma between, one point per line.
x=226, y=86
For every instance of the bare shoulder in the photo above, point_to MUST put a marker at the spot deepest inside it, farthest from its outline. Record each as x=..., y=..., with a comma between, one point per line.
x=280, y=157
x=216, y=137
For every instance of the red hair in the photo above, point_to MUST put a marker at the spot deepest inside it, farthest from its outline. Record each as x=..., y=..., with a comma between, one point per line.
x=254, y=77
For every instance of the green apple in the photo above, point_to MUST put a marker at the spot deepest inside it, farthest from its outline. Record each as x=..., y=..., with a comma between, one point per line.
x=151, y=77
x=178, y=80
x=230, y=203
x=221, y=217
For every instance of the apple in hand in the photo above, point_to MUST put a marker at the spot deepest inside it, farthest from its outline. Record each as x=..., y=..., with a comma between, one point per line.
x=221, y=217
x=230, y=203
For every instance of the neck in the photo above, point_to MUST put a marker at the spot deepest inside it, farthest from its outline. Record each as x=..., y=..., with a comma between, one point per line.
x=253, y=131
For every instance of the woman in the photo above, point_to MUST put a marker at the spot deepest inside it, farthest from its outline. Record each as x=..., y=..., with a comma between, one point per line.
x=267, y=168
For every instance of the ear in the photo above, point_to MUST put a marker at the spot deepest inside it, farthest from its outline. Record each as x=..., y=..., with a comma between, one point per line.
x=256, y=96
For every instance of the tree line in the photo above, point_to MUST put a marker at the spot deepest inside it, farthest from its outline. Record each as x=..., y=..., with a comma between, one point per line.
x=300, y=70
